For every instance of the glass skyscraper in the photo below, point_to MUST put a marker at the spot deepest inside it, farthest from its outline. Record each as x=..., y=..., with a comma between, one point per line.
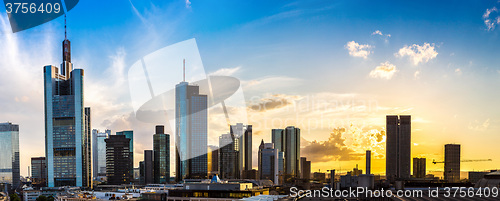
x=9, y=154
x=118, y=159
x=66, y=137
x=288, y=141
x=228, y=157
x=243, y=136
x=398, y=147
x=99, y=154
x=129, y=135
x=191, y=132
x=268, y=162
x=161, y=150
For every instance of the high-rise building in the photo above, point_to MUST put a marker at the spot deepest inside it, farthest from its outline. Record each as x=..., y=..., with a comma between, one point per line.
x=368, y=159
x=9, y=154
x=228, y=157
x=398, y=147
x=129, y=135
x=148, y=172
x=419, y=167
x=39, y=171
x=292, y=151
x=99, y=154
x=268, y=162
x=452, y=162
x=191, y=132
x=243, y=137
x=305, y=168
x=161, y=149
x=277, y=139
x=66, y=138
x=213, y=160
x=118, y=160
x=87, y=150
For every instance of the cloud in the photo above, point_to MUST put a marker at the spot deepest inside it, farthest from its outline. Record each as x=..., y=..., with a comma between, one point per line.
x=272, y=102
x=416, y=75
x=334, y=146
x=478, y=126
x=418, y=54
x=384, y=36
x=489, y=21
x=385, y=71
x=226, y=71
x=458, y=71
x=188, y=4
x=357, y=50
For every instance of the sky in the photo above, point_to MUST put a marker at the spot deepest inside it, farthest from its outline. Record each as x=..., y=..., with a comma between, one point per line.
x=334, y=69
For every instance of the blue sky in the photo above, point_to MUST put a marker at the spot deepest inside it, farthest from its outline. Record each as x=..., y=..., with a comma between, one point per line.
x=289, y=50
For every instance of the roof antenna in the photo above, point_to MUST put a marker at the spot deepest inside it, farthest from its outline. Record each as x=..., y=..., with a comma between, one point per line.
x=184, y=70
x=65, y=37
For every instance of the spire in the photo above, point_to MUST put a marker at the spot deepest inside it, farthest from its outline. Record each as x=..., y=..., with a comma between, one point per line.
x=65, y=34
x=184, y=70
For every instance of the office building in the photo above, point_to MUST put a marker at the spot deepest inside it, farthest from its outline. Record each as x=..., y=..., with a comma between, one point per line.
x=129, y=135
x=213, y=160
x=66, y=137
x=39, y=171
x=118, y=160
x=87, y=150
x=243, y=136
x=99, y=154
x=161, y=150
x=9, y=154
x=419, y=167
x=452, y=163
x=228, y=157
x=191, y=132
x=268, y=162
x=368, y=162
x=305, y=168
x=398, y=147
x=288, y=141
x=148, y=167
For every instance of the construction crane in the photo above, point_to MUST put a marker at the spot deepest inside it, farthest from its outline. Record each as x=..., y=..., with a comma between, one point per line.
x=463, y=161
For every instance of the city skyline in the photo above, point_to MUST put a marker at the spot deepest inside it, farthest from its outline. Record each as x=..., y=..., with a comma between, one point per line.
x=444, y=78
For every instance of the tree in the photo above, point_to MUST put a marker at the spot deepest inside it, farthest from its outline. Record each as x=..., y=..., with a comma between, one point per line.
x=42, y=198
x=14, y=197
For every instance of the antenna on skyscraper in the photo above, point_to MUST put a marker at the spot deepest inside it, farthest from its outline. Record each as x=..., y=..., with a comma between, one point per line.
x=184, y=70
x=65, y=27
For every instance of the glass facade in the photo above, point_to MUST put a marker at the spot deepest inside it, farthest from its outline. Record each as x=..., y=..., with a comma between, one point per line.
x=67, y=122
x=268, y=162
x=243, y=135
x=9, y=154
x=38, y=171
x=228, y=157
x=99, y=154
x=129, y=135
x=191, y=132
x=161, y=148
x=118, y=157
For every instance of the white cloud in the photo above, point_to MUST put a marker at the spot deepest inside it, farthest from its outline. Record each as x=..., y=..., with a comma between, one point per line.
x=458, y=71
x=385, y=71
x=384, y=36
x=357, y=50
x=478, y=126
x=188, y=4
x=418, y=54
x=489, y=21
x=226, y=71
x=416, y=75
x=377, y=32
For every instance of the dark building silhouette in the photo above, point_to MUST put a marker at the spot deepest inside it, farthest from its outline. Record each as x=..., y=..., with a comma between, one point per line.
x=87, y=170
x=213, y=160
x=118, y=160
x=39, y=171
x=243, y=136
x=148, y=171
x=452, y=162
x=161, y=150
x=419, y=167
x=305, y=168
x=228, y=157
x=398, y=147
x=129, y=135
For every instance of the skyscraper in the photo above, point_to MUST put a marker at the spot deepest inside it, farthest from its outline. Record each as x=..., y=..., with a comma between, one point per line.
x=99, y=154
x=191, y=132
x=118, y=160
x=244, y=145
x=268, y=162
x=161, y=149
x=38, y=171
x=129, y=135
x=228, y=157
x=9, y=154
x=148, y=172
x=213, y=160
x=452, y=162
x=66, y=140
x=87, y=151
x=291, y=144
x=419, y=167
x=305, y=168
x=398, y=147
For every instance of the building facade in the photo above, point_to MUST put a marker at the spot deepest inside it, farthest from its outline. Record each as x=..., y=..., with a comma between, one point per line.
x=305, y=168
x=9, y=154
x=118, y=160
x=398, y=147
x=148, y=167
x=228, y=157
x=99, y=154
x=161, y=149
x=452, y=163
x=213, y=160
x=419, y=167
x=243, y=136
x=66, y=139
x=39, y=171
x=191, y=132
x=268, y=162
x=129, y=135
